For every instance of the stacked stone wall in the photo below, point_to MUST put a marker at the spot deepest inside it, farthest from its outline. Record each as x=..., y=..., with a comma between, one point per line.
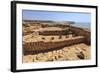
x=41, y=46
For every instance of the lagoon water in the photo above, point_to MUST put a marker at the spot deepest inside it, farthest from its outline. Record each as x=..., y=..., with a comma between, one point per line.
x=83, y=25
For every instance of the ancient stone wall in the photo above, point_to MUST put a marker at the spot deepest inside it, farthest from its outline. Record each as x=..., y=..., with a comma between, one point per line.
x=61, y=32
x=41, y=46
x=82, y=32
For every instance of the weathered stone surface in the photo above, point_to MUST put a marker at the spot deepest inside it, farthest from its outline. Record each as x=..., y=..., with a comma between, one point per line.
x=65, y=54
x=46, y=46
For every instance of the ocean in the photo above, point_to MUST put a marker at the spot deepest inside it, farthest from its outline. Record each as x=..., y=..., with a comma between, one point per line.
x=83, y=25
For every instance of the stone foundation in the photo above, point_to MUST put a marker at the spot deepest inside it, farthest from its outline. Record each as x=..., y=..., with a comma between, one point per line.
x=37, y=47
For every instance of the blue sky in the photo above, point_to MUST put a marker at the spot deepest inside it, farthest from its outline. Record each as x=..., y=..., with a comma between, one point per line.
x=56, y=16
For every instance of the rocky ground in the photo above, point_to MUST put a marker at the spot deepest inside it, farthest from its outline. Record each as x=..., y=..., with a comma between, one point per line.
x=75, y=52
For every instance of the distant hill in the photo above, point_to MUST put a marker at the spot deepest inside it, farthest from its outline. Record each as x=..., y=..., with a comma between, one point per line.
x=48, y=21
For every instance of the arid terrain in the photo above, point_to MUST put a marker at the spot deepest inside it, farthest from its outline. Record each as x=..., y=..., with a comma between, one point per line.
x=45, y=41
x=75, y=52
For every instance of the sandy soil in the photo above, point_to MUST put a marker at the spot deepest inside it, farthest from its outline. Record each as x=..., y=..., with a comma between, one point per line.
x=76, y=52
x=36, y=38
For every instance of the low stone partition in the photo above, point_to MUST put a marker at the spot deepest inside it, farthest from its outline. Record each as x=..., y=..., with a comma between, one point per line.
x=53, y=32
x=82, y=32
x=27, y=33
x=37, y=47
x=61, y=32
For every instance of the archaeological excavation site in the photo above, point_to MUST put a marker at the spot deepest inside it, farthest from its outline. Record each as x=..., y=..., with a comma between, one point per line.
x=47, y=41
